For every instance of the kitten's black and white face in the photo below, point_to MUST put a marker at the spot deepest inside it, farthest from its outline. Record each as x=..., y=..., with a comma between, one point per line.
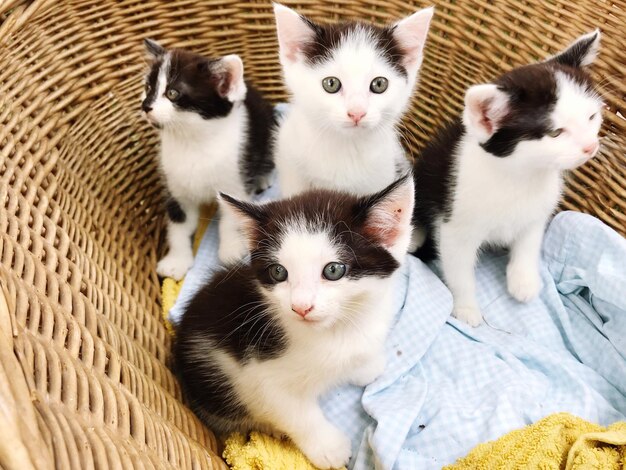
x=186, y=88
x=322, y=255
x=353, y=76
x=545, y=115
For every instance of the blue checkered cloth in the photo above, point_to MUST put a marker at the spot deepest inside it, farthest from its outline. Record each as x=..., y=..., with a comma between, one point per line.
x=448, y=387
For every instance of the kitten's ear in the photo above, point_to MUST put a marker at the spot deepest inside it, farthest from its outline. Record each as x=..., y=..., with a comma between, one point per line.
x=153, y=48
x=411, y=36
x=583, y=51
x=294, y=32
x=486, y=106
x=229, y=74
x=247, y=214
x=389, y=214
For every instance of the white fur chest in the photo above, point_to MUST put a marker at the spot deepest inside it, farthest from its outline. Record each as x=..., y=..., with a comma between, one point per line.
x=362, y=164
x=200, y=160
x=496, y=202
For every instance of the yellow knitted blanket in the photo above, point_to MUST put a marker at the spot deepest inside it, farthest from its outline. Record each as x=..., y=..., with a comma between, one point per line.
x=556, y=442
x=263, y=452
x=559, y=441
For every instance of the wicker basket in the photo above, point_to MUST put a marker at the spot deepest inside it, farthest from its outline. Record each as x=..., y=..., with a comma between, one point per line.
x=84, y=377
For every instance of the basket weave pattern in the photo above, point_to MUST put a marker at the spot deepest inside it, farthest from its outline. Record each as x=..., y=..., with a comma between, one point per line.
x=84, y=356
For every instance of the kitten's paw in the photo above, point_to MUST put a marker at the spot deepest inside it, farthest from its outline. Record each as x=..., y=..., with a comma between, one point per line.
x=232, y=251
x=327, y=448
x=369, y=371
x=470, y=314
x=524, y=284
x=174, y=266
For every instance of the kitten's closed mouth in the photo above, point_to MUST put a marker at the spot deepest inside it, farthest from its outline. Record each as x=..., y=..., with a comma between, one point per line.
x=309, y=320
x=351, y=125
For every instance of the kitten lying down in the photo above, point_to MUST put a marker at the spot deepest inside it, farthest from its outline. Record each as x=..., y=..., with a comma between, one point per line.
x=259, y=343
x=494, y=177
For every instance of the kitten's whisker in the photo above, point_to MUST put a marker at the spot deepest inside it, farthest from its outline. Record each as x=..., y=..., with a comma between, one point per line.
x=255, y=318
x=232, y=270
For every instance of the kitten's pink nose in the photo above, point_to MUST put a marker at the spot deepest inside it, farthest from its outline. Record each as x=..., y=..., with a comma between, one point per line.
x=590, y=149
x=302, y=310
x=356, y=115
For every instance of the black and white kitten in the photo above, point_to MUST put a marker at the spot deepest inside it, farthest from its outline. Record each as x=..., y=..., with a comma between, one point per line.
x=494, y=177
x=258, y=344
x=215, y=136
x=350, y=84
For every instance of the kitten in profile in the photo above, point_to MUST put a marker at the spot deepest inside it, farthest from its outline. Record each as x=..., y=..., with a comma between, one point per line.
x=259, y=343
x=494, y=177
x=215, y=133
x=350, y=84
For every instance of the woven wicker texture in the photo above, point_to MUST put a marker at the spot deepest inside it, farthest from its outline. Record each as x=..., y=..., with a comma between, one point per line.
x=84, y=377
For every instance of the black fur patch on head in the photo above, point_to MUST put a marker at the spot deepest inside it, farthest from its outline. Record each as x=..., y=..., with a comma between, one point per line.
x=194, y=78
x=151, y=84
x=174, y=211
x=342, y=216
x=533, y=94
x=327, y=38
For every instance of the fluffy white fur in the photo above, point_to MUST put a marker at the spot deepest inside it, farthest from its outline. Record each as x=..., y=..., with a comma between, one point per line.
x=200, y=158
x=318, y=144
x=523, y=190
x=341, y=340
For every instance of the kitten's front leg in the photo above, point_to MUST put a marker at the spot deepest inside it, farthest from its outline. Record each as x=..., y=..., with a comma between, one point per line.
x=303, y=421
x=183, y=220
x=522, y=272
x=458, y=257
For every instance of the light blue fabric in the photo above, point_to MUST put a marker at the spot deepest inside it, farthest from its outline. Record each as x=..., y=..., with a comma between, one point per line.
x=449, y=387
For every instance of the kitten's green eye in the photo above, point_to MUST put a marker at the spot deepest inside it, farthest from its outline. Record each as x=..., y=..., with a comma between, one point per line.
x=278, y=272
x=331, y=84
x=334, y=271
x=172, y=94
x=379, y=85
x=555, y=132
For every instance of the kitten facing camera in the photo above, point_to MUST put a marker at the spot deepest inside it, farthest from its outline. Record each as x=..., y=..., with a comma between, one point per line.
x=259, y=343
x=494, y=177
x=350, y=84
x=215, y=131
